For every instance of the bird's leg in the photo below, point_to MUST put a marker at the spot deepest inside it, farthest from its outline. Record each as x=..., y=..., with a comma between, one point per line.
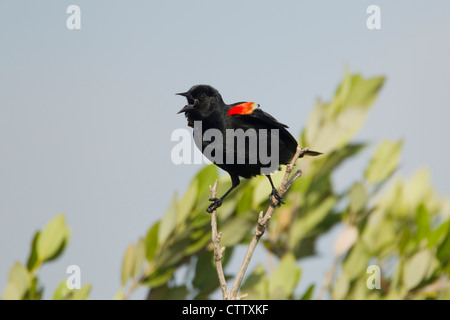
x=217, y=202
x=274, y=194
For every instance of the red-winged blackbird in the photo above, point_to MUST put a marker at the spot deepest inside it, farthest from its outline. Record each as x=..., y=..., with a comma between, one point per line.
x=206, y=108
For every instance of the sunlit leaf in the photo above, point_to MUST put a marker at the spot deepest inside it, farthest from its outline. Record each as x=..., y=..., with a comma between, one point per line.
x=82, y=293
x=11, y=292
x=52, y=239
x=416, y=267
x=62, y=292
x=358, y=197
x=151, y=241
x=187, y=202
x=284, y=278
x=355, y=263
x=206, y=177
x=384, y=162
x=233, y=231
x=128, y=263
x=19, y=281
x=303, y=225
x=363, y=91
x=167, y=223
x=341, y=287
x=139, y=259
x=256, y=284
x=423, y=223
x=419, y=190
x=263, y=188
x=332, y=125
x=119, y=295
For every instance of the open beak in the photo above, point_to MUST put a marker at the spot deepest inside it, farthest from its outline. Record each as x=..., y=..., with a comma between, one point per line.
x=186, y=108
x=184, y=94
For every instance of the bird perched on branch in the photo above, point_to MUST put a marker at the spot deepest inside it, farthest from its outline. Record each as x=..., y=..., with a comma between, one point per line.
x=239, y=138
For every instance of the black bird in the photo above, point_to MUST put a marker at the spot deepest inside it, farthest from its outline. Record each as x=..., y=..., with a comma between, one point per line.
x=207, y=111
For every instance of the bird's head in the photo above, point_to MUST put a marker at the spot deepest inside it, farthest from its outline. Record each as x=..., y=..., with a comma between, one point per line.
x=202, y=99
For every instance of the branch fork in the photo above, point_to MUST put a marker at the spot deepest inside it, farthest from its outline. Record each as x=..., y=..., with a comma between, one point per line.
x=260, y=228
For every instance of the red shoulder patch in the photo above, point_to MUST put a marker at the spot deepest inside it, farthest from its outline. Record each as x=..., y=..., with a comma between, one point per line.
x=243, y=108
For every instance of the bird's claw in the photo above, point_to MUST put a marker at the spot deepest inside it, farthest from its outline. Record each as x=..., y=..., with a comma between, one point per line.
x=214, y=205
x=277, y=196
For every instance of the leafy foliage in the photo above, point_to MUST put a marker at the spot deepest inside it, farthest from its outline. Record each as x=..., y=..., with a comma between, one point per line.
x=399, y=226
x=48, y=244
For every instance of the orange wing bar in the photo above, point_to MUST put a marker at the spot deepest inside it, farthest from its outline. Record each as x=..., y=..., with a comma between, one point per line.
x=243, y=108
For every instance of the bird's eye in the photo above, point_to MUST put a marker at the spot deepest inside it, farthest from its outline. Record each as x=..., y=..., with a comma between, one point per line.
x=201, y=96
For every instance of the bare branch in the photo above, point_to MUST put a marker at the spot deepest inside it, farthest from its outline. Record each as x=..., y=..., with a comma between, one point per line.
x=218, y=252
x=262, y=222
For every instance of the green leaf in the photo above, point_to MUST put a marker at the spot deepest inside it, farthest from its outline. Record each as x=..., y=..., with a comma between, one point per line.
x=82, y=293
x=443, y=250
x=165, y=292
x=53, y=239
x=206, y=177
x=356, y=262
x=205, y=280
x=119, y=295
x=256, y=284
x=384, y=162
x=159, y=277
x=419, y=190
x=437, y=236
x=151, y=241
x=308, y=293
x=167, y=224
x=363, y=91
x=187, y=202
x=416, y=267
x=334, y=159
x=172, y=254
x=128, y=263
x=284, y=279
x=199, y=243
x=423, y=223
x=234, y=230
x=62, y=292
x=32, y=263
x=19, y=282
x=11, y=292
x=263, y=188
x=140, y=258
x=332, y=125
x=245, y=201
x=358, y=197
x=35, y=292
x=341, y=287
x=302, y=226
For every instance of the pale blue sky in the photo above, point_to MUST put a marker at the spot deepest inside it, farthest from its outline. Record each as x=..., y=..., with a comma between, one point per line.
x=86, y=115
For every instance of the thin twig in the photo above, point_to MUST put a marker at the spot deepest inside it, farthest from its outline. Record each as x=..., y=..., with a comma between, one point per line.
x=218, y=251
